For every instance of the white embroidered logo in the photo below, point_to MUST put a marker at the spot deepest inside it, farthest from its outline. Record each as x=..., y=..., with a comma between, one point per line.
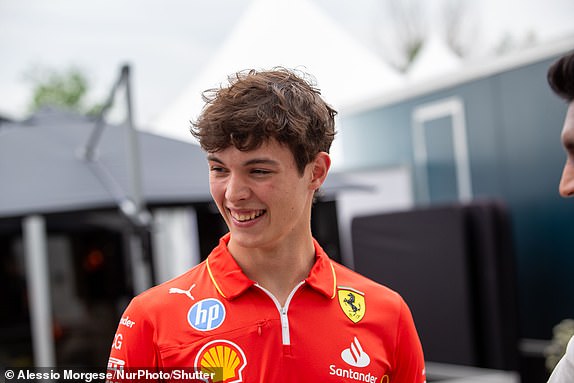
x=355, y=355
x=175, y=290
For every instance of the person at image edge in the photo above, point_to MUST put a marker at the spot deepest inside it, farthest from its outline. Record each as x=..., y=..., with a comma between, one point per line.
x=561, y=80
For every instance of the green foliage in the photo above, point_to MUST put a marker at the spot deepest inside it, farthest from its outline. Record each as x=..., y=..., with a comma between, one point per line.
x=61, y=89
x=412, y=49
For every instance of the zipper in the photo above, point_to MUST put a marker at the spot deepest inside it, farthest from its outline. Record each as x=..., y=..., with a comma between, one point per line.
x=283, y=312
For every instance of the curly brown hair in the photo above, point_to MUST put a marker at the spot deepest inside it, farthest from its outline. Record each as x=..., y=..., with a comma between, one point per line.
x=561, y=77
x=257, y=106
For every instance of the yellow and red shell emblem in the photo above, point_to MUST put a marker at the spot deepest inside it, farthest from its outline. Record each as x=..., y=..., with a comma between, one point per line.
x=223, y=359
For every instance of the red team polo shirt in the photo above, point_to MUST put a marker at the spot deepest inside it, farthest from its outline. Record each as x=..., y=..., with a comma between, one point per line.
x=336, y=326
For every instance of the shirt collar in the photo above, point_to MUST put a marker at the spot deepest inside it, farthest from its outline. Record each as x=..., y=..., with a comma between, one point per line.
x=322, y=276
x=230, y=281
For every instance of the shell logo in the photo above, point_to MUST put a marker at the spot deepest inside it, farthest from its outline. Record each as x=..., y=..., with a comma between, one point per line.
x=224, y=359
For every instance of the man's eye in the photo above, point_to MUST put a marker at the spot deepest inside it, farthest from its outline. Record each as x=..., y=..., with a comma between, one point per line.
x=260, y=171
x=217, y=169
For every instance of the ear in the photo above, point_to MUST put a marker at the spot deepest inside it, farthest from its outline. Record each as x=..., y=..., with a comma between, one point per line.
x=320, y=169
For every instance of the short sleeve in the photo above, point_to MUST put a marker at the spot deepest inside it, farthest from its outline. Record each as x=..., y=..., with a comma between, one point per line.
x=409, y=365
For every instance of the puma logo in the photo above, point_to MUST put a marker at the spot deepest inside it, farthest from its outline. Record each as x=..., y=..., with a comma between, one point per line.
x=175, y=290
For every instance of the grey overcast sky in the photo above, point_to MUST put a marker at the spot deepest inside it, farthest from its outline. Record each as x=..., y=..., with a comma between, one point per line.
x=168, y=42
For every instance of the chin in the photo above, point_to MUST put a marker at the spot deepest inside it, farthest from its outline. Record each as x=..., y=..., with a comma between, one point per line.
x=248, y=241
x=244, y=240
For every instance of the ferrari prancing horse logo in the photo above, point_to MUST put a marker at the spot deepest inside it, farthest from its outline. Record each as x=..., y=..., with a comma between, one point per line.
x=352, y=302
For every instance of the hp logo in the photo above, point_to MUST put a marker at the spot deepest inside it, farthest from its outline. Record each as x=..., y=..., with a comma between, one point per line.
x=207, y=314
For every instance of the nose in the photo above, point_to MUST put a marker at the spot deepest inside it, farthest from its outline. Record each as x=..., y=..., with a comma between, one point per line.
x=566, y=187
x=236, y=189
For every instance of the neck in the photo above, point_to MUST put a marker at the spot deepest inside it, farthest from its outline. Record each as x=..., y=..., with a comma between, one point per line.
x=278, y=270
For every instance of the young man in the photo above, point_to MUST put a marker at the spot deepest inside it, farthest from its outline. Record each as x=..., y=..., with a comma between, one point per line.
x=268, y=305
x=561, y=80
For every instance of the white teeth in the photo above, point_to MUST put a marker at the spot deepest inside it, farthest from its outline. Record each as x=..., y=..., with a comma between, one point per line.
x=247, y=217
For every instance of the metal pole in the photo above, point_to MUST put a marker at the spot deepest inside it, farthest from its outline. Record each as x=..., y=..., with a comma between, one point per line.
x=90, y=149
x=140, y=267
x=131, y=203
x=141, y=274
x=37, y=277
x=134, y=152
x=175, y=242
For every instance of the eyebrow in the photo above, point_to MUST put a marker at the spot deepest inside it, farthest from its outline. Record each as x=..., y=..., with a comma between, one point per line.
x=213, y=158
x=253, y=161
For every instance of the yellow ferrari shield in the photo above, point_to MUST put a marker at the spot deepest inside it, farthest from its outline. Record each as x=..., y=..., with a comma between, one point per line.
x=353, y=303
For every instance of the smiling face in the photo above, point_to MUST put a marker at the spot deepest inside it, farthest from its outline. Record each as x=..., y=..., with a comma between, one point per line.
x=567, y=182
x=264, y=199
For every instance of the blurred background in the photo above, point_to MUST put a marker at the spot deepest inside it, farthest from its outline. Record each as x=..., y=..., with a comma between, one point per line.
x=444, y=184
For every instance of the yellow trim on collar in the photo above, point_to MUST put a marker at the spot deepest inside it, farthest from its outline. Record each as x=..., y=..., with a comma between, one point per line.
x=334, y=280
x=213, y=279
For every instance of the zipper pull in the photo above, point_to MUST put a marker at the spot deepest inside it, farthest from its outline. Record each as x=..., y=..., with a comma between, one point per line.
x=259, y=327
